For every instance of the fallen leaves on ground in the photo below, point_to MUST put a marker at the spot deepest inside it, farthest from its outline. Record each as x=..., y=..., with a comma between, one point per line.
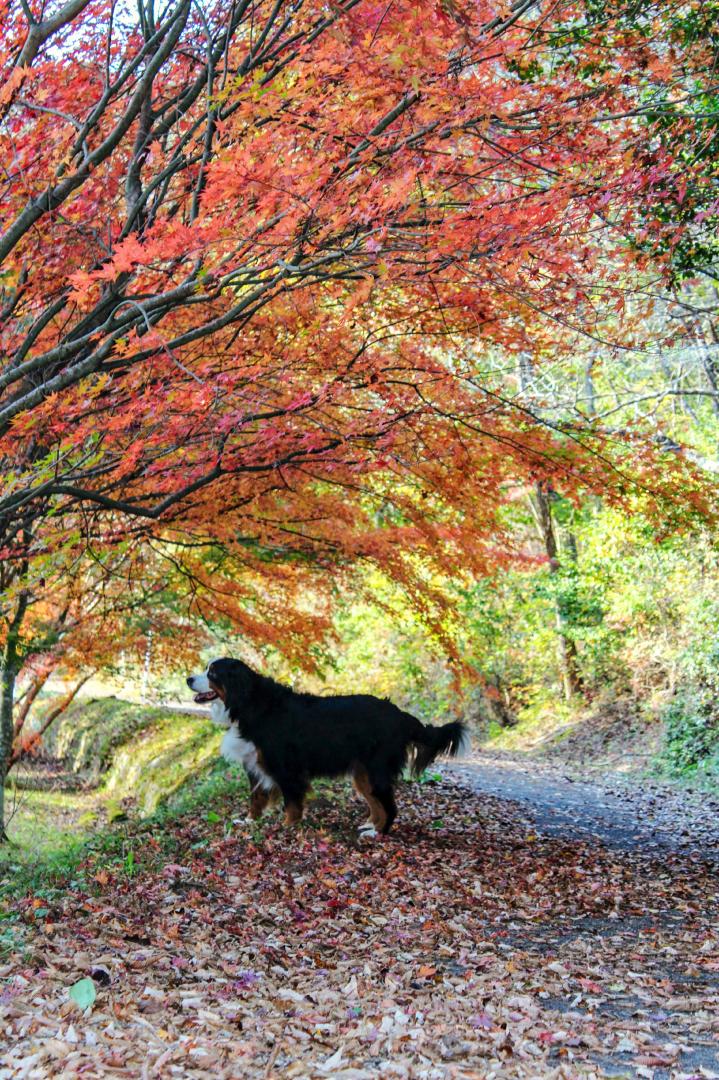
x=461, y=946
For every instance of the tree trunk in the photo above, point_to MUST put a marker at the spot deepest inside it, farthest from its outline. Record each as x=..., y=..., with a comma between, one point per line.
x=33, y=690
x=10, y=664
x=569, y=666
x=589, y=390
x=7, y=694
x=710, y=366
x=542, y=507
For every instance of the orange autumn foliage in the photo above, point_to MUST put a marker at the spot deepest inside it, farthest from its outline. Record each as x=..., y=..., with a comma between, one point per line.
x=254, y=258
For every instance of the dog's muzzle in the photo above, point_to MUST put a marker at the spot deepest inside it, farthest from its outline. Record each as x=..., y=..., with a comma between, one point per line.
x=203, y=692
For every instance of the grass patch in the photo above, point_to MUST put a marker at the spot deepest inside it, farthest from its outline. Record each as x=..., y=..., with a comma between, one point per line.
x=163, y=764
x=48, y=844
x=43, y=821
x=53, y=856
x=160, y=760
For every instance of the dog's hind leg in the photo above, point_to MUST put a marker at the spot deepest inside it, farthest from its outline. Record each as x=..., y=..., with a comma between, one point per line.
x=385, y=795
x=377, y=811
x=360, y=783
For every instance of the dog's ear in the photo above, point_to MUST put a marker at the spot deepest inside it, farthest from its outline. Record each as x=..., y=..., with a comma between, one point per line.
x=238, y=682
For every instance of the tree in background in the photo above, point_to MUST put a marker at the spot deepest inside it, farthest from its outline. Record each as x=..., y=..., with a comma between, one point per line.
x=255, y=257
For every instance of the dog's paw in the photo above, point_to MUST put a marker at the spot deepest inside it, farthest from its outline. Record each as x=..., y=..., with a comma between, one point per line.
x=246, y=820
x=367, y=831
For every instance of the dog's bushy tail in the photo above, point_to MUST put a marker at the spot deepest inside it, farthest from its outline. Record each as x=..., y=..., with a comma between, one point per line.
x=429, y=742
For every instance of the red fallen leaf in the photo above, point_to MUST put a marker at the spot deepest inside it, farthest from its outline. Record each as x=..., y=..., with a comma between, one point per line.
x=336, y=904
x=425, y=972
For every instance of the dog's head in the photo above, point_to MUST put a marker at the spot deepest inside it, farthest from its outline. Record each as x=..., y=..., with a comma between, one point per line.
x=223, y=685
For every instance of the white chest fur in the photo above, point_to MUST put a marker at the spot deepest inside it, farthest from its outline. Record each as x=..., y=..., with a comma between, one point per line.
x=235, y=748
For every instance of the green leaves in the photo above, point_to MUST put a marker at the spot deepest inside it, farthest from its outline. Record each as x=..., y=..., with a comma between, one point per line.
x=83, y=993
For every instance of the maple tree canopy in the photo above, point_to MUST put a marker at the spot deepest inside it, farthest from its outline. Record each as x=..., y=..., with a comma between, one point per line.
x=255, y=257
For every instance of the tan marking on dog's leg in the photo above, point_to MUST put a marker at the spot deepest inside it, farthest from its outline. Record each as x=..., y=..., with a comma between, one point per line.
x=359, y=797
x=379, y=815
x=293, y=813
x=259, y=801
x=360, y=782
x=360, y=789
x=377, y=812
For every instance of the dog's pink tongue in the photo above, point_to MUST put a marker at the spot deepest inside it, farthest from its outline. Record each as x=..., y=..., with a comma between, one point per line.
x=209, y=695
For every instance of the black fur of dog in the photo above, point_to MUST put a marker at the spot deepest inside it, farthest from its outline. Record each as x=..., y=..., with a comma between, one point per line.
x=285, y=739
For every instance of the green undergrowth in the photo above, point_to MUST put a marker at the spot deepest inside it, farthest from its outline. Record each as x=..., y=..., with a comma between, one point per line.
x=160, y=760
x=691, y=737
x=123, y=763
x=537, y=726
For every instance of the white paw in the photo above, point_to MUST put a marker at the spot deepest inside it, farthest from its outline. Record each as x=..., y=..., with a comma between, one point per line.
x=367, y=831
x=246, y=820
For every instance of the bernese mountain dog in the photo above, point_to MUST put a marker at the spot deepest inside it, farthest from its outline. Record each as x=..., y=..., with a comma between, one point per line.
x=285, y=739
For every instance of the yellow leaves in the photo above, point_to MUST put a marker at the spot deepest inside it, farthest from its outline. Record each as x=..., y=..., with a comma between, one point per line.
x=396, y=58
x=125, y=347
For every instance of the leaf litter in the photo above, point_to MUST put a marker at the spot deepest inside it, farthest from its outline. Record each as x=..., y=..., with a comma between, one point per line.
x=461, y=946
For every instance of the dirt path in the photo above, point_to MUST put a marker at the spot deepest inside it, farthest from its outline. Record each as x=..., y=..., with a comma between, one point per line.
x=650, y=824
x=622, y=814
